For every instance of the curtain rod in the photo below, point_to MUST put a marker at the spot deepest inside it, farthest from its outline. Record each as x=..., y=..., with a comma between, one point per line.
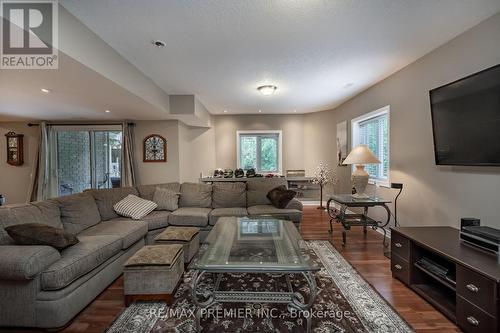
x=79, y=124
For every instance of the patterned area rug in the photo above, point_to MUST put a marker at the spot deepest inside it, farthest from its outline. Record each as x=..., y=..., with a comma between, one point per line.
x=345, y=302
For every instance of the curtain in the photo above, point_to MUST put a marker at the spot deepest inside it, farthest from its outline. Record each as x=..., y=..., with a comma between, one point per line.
x=44, y=180
x=128, y=162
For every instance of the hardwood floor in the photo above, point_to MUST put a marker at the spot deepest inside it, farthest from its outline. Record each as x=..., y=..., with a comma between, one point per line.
x=364, y=252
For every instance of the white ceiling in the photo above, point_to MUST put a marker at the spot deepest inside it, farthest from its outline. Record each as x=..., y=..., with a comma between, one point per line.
x=77, y=93
x=318, y=52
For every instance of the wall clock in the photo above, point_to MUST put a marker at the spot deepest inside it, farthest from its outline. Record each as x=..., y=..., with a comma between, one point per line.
x=155, y=148
x=15, y=149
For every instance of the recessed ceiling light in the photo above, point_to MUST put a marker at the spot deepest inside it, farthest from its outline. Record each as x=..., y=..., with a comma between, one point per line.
x=159, y=43
x=107, y=111
x=45, y=90
x=260, y=111
x=267, y=90
x=225, y=111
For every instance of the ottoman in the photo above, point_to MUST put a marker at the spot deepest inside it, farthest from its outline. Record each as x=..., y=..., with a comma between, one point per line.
x=153, y=273
x=188, y=237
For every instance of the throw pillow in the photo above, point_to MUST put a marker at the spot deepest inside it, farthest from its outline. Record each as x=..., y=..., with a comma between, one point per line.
x=134, y=207
x=280, y=196
x=41, y=234
x=166, y=199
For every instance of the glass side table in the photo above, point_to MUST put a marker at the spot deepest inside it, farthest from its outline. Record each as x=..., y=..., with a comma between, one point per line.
x=349, y=220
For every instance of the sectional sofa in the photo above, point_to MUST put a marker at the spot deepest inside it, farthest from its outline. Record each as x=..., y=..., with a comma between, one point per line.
x=42, y=287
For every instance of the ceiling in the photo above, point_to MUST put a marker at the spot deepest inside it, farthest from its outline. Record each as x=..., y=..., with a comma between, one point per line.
x=76, y=93
x=318, y=52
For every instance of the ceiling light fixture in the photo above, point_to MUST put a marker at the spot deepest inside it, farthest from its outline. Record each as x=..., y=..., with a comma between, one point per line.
x=45, y=90
x=159, y=43
x=260, y=111
x=295, y=111
x=107, y=111
x=267, y=90
x=225, y=111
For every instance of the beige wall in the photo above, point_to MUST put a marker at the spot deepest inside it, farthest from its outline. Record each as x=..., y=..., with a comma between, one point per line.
x=157, y=172
x=293, y=137
x=197, y=152
x=433, y=195
x=15, y=180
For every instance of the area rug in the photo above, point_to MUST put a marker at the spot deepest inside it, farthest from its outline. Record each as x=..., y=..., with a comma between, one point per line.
x=345, y=302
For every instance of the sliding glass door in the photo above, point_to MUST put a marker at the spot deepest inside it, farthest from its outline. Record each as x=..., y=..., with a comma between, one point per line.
x=88, y=158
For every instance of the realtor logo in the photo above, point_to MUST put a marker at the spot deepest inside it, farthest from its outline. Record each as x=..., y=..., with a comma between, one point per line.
x=29, y=34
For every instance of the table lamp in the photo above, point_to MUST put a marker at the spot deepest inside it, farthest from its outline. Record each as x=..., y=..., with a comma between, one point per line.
x=360, y=156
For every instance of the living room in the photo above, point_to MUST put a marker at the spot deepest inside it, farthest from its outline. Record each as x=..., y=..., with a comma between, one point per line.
x=180, y=100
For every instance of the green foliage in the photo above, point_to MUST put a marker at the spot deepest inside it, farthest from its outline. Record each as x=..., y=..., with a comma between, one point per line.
x=259, y=152
x=269, y=154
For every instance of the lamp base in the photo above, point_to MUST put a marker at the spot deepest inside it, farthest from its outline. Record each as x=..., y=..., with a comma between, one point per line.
x=360, y=196
x=360, y=181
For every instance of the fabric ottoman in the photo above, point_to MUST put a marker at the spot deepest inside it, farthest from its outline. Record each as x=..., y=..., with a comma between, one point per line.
x=188, y=237
x=153, y=273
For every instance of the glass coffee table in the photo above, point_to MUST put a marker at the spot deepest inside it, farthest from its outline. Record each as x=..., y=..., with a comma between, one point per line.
x=253, y=245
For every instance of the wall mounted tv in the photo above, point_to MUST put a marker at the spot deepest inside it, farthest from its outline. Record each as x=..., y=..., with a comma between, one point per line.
x=466, y=120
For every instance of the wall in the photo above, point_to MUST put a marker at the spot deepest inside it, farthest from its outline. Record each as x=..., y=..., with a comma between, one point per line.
x=293, y=137
x=15, y=180
x=432, y=195
x=157, y=172
x=197, y=152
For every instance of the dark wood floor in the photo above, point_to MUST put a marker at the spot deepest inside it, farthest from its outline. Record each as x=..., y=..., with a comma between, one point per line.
x=364, y=252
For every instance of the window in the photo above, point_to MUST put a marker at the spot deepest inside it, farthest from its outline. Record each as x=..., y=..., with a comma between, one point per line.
x=260, y=150
x=372, y=130
x=87, y=158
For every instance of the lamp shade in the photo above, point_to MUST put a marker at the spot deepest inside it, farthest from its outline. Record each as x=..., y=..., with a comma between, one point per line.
x=361, y=155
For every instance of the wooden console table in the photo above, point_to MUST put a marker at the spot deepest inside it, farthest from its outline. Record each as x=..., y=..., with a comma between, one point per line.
x=469, y=293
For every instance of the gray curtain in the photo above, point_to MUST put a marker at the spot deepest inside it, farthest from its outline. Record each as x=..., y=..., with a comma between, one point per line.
x=128, y=163
x=44, y=181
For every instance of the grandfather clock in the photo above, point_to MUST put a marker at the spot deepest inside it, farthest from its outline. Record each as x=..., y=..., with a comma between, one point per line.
x=15, y=149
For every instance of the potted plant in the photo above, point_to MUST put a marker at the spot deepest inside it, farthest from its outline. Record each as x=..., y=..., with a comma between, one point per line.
x=322, y=176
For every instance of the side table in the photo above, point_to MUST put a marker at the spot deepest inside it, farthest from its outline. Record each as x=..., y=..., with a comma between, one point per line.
x=349, y=220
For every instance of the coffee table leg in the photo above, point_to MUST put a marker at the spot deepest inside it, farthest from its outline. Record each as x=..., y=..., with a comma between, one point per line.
x=298, y=301
x=199, y=305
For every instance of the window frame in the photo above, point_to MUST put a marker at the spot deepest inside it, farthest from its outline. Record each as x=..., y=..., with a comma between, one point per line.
x=279, y=133
x=355, y=140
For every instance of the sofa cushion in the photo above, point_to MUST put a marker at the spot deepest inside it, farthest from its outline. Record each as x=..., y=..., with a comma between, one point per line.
x=222, y=212
x=166, y=199
x=80, y=259
x=78, y=212
x=129, y=231
x=230, y=194
x=43, y=212
x=25, y=262
x=107, y=198
x=257, y=190
x=134, y=207
x=196, y=195
x=280, y=197
x=288, y=214
x=190, y=216
x=157, y=219
x=147, y=191
x=41, y=234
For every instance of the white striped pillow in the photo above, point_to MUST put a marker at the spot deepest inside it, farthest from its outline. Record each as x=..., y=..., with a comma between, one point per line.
x=134, y=207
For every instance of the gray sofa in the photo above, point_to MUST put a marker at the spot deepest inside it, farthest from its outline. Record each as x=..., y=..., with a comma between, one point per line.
x=42, y=287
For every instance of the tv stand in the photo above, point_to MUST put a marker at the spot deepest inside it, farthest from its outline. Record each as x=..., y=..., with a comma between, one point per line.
x=459, y=280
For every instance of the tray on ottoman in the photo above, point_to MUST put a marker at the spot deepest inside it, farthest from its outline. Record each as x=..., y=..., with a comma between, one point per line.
x=153, y=273
x=188, y=237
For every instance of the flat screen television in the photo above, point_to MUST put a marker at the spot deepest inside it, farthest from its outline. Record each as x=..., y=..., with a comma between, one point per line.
x=466, y=120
